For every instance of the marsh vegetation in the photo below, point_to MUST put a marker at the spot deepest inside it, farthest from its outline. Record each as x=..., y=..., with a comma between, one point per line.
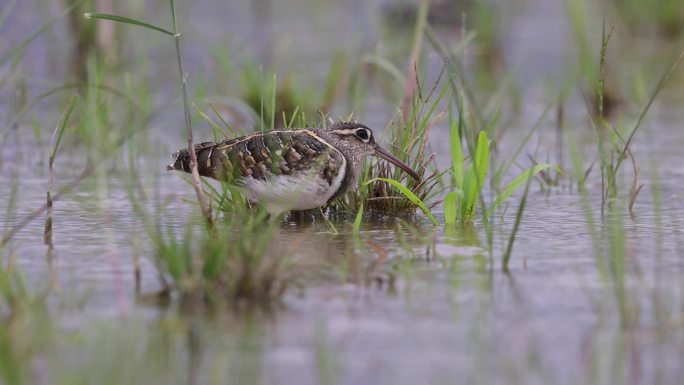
x=542, y=244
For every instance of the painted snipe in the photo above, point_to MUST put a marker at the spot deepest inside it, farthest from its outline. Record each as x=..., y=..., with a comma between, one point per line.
x=295, y=169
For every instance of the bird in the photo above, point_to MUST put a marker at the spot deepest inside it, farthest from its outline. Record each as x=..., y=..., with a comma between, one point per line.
x=290, y=169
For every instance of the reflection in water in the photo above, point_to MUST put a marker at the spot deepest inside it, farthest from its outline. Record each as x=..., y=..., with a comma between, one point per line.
x=194, y=354
x=462, y=235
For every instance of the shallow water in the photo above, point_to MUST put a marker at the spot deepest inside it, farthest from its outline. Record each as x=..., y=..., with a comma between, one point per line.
x=452, y=316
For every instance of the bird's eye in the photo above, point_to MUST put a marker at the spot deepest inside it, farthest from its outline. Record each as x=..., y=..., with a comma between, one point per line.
x=363, y=134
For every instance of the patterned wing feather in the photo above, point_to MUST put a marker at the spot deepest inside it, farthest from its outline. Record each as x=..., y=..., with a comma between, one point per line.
x=262, y=156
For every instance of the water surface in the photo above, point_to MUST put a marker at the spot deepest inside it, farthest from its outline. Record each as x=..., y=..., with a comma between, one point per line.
x=438, y=310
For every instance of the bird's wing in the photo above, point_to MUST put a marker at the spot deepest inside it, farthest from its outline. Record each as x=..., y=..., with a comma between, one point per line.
x=266, y=155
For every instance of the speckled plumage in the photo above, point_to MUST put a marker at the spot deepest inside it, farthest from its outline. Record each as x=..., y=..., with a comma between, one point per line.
x=294, y=169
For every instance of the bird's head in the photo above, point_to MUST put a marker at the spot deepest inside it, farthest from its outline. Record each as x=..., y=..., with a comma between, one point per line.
x=355, y=141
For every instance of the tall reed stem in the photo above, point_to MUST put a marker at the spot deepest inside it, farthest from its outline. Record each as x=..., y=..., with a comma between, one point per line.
x=204, y=204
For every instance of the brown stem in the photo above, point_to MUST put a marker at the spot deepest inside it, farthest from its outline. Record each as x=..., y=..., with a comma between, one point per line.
x=204, y=205
x=64, y=190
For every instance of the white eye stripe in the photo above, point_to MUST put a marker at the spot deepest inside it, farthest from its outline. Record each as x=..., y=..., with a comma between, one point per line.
x=346, y=131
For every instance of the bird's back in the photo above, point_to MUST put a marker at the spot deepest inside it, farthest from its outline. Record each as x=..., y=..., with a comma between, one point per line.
x=290, y=164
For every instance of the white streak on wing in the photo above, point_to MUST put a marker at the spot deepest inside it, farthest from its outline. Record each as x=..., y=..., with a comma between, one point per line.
x=211, y=151
x=303, y=191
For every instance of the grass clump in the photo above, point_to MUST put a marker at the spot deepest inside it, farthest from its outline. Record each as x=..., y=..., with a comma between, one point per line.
x=238, y=263
x=468, y=181
x=409, y=134
x=613, y=142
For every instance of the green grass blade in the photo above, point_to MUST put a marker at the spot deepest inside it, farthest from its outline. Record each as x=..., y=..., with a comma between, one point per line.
x=357, y=220
x=408, y=194
x=450, y=212
x=469, y=198
x=516, y=226
x=121, y=19
x=63, y=122
x=481, y=158
x=431, y=111
x=456, y=153
x=274, y=92
x=517, y=182
x=475, y=176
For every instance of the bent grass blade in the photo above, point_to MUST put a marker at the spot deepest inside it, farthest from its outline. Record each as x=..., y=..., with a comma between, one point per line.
x=408, y=194
x=126, y=20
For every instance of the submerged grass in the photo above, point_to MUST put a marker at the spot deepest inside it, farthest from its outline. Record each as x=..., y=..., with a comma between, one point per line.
x=409, y=142
x=614, y=151
x=237, y=264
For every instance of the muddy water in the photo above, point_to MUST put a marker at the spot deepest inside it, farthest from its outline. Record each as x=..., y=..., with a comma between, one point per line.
x=451, y=316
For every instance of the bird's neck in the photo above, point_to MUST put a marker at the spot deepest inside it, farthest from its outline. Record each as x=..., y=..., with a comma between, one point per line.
x=354, y=163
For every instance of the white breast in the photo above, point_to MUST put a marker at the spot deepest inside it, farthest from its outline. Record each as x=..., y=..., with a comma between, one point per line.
x=302, y=191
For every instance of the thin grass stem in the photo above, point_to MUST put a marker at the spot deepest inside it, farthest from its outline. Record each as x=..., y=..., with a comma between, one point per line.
x=205, y=206
x=518, y=219
x=54, y=147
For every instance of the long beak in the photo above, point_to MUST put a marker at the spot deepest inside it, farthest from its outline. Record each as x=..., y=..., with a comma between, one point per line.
x=381, y=153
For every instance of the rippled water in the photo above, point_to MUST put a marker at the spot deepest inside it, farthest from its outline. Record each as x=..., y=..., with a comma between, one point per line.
x=452, y=316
